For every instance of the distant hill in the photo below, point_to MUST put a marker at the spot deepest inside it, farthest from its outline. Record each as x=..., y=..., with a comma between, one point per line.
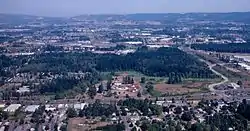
x=22, y=19
x=164, y=17
x=230, y=17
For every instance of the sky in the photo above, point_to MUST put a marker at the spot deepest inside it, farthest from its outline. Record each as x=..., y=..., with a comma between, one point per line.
x=67, y=8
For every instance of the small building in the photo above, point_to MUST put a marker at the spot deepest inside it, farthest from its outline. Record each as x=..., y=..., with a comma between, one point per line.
x=80, y=106
x=134, y=42
x=60, y=106
x=2, y=106
x=234, y=85
x=12, y=107
x=160, y=103
x=31, y=108
x=50, y=108
x=23, y=89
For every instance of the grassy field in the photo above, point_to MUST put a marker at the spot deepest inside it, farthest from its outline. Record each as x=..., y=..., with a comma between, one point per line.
x=233, y=76
x=190, y=85
x=138, y=75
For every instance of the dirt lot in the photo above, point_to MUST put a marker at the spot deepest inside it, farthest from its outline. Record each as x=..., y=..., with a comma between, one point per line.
x=82, y=124
x=178, y=89
x=246, y=84
x=187, y=87
x=124, y=93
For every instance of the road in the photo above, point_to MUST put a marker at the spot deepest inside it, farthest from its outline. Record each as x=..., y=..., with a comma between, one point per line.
x=225, y=79
x=211, y=86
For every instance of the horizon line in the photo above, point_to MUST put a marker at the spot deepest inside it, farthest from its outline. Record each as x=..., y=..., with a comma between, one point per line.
x=88, y=14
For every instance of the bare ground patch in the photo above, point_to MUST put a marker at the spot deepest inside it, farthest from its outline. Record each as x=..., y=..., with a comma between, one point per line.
x=176, y=88
x=83, y=124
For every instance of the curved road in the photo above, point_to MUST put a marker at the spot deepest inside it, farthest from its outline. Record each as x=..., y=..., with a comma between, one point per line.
x=225, y=79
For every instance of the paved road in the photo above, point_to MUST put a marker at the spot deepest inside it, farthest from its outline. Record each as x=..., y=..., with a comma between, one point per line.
x=225, y=79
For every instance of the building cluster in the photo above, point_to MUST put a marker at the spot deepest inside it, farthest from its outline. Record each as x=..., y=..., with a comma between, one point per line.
x=54, y=114
x=119, y=84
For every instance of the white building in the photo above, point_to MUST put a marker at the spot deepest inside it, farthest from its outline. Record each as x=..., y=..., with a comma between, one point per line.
x=134, y=42
x=31, y=108
x=12, y=107
x=2, y=105
x=23, y=89
x=50, y=108
x=80, y=106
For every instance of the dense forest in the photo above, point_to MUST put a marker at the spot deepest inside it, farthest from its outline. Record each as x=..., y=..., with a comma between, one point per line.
x=74, y=84
x=232, y=48
x=5, y=62
x=161, y=62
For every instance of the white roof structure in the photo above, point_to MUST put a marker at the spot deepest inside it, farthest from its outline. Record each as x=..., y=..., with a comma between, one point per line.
x=244, y=65
x=134, y=42
x=23, y=89
x=157, y=46
x=80, y=106
x=31, y=108
x=50, y=108
x=2, y=128
x=12, y=107
x=2, y=105
x=60, y=106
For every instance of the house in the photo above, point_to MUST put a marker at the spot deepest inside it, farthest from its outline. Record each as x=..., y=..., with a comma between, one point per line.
x=50, y=108
x=80, y=106
x=2, y=105
x=31, y=108
x=23, y=89
x=12, y=107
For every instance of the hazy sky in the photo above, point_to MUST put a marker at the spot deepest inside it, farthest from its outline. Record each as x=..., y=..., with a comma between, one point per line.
x=77, y=7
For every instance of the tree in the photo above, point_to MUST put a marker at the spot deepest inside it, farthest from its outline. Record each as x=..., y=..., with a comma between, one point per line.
x=83, y=86
x=4, y=115
x=178, y=110
x=144, y=126
x=186, y=116
x=139, y=94
x=46, y=128
x=124, y=112
x=128, y=80
x=165, y=109
x=100, y=88
x=239, y=83
x=174, y=78
x=109, y=84
x=143, y=79
x=149, y=87
x=63, y=128
x=92, y=92
x=21, y=122
x=173, y=100
x=243, y=109
x=56, y=127
x=134, y=129
x=71, y=112
x=178, y=127
x=59, y=96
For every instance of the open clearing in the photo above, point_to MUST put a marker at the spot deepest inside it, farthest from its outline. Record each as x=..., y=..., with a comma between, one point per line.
x=186, y=87
x=189, y=85
x=177, y=89
x=83, y=124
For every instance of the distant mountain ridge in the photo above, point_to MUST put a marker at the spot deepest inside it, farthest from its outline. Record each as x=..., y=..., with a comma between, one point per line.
x=231, y=16
x=22, y=19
